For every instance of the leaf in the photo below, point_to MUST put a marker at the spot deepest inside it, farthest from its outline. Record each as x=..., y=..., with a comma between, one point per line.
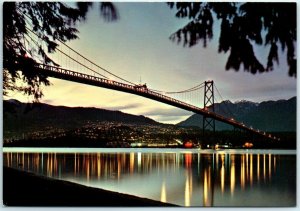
x=273, y=56
x=50, y=21
x=241, y=24
x=108, y=11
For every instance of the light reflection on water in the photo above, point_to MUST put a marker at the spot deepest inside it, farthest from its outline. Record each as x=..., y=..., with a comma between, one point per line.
x=186, y=179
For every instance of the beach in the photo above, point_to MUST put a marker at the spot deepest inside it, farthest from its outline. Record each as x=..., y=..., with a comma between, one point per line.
x=27, y=189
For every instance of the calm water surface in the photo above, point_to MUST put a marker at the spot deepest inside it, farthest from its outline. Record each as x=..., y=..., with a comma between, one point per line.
x=182, y=177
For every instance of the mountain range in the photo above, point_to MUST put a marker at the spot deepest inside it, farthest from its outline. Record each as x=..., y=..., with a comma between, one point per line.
x=270, y=116
x=20, y=117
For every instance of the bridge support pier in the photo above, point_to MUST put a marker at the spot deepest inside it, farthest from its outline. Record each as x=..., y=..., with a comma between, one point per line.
x=209, y=103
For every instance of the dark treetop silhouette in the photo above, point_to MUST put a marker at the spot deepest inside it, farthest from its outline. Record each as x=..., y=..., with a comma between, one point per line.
x=242, y=26
x=52, y=21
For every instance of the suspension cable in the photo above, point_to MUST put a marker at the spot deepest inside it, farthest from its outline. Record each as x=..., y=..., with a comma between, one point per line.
x=96, y=64
x=64, y=54
x=199, y=86
x=227, y=107
x=79, y=55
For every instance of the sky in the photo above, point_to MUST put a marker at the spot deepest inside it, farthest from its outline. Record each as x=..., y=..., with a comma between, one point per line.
x=137, y=47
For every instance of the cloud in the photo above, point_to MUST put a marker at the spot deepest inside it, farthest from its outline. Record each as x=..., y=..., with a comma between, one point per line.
x=50, y=102
x=169, y=119
x=124, y=107
x=167, y=115
x=276, y=87
x=175, y=112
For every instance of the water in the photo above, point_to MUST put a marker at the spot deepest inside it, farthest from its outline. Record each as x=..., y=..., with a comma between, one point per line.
x=182, y=177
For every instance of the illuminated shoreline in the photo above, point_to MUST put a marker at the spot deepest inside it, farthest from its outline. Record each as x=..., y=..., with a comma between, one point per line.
x=148, y=150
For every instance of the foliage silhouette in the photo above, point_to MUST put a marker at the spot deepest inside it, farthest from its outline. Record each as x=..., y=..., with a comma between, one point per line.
x=243, y=25
x=51, y=20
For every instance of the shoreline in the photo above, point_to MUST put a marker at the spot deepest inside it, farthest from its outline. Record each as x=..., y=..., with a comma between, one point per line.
x=22, y=188
x=146, y=150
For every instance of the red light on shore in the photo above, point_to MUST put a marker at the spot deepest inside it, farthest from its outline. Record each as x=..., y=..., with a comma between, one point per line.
x=188, y=144
x=248, y=145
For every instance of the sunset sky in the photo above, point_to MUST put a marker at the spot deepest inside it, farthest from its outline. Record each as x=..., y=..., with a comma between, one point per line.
x=137, y=47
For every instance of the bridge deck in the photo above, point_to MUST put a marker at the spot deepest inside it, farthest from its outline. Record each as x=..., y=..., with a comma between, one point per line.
x=69, y=75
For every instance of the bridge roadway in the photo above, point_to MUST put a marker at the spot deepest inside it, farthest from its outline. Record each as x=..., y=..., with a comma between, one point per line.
x=57, y=72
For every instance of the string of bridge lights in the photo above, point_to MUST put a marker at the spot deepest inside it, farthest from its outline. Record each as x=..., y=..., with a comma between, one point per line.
x=192, y=89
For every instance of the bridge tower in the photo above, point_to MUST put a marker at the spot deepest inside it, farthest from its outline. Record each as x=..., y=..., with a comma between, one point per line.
x=209, y=103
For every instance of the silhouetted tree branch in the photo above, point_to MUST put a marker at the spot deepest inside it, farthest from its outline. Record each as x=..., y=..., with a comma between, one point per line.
x=51, y=20
x=243, y=25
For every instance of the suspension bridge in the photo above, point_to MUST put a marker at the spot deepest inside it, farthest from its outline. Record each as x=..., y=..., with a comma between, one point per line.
x=143, y=91
x=70, y=65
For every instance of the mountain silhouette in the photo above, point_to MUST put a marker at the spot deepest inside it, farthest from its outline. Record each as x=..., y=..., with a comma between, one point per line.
x=276, y=116
x=20, y=117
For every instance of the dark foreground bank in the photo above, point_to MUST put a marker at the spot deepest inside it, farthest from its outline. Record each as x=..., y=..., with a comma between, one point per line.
x=27, y=189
